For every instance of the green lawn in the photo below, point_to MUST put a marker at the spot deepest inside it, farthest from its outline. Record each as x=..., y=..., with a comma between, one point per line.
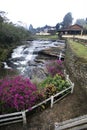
x=79, y=49
x=47, y=37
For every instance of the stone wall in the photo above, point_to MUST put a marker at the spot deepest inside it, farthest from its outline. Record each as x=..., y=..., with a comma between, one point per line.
x=76, y=68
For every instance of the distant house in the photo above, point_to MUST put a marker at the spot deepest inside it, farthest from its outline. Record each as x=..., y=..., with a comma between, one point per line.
x=72, y=30
x=52, y=30
x=43, y=33
x=47, y=30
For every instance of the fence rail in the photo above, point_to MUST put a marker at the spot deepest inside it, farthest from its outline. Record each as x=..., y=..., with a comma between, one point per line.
x=73, y=124
x=13, y=118
x=21, y=116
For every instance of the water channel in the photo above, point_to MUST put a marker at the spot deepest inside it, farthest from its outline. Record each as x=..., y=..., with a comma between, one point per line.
x=23, y=58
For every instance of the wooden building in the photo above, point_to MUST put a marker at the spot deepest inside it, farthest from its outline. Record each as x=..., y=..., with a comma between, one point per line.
x=72, y=30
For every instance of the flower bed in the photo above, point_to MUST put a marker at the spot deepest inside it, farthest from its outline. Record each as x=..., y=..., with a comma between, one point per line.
x=55, y=67
x=19, y=93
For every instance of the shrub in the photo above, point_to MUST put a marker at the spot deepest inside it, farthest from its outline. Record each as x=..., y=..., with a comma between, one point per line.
x=17, y=94
x=54, y=84
x=50, y=90
x=55, y=67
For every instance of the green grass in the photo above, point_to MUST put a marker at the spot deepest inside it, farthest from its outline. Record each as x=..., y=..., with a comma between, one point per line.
x=47, y=37
x=79, y=49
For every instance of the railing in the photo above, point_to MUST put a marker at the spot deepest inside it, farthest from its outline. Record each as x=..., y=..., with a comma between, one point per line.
x=13, y=118
x=51, y=99
x=21, y=116
x=79, y=123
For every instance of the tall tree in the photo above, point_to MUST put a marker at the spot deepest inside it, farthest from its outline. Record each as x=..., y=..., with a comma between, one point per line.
x=31, y=28
x=67, y=20
x=57, y=26
x=81, y=22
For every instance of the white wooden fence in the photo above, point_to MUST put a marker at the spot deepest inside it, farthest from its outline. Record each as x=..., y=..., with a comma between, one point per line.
x=51, y=99
x=21, y=116
x=15, y=117
x=79, y=123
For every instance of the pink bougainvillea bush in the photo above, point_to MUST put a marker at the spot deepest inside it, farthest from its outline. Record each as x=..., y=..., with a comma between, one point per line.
x=17, y=94
x=55, y=67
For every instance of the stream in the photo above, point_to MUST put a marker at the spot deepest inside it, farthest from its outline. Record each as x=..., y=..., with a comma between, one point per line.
x=23, y=58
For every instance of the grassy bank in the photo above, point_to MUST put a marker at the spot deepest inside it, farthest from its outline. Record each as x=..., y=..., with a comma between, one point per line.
x=79, y=49
x=47, y=37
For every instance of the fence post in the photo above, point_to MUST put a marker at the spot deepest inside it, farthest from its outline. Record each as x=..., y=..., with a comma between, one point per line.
x=24, y=120
x=72, y=88
x=56, y=126
x=67, y=77
x=52, y=101
x=65, y=72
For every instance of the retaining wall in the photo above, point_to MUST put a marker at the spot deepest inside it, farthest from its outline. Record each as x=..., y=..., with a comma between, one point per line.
x=76, y=67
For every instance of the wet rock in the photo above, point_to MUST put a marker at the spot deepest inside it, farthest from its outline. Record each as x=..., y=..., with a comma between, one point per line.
x=17, y=59
x=39, y=60
x=34, y=72
x=25, y=52
x=39, y=72
x=32, y=63
x=52, y=52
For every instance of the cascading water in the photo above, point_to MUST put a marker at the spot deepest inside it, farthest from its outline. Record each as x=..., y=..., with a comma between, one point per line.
x=23, y=56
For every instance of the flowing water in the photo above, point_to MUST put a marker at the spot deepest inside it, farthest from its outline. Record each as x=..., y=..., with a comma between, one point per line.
x=23, y=57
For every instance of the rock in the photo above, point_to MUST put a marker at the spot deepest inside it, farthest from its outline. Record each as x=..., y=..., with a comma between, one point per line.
x=32, y=63
x=51, y=52
x=17, y=59
x=40, y=61
x=36, y=72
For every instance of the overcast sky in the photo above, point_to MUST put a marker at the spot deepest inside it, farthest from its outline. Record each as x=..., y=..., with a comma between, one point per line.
x=42, y=12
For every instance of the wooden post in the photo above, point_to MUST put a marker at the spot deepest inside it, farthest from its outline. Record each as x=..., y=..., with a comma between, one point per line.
x=67, y=77
x=65, y=72
x=56, y=126
x=60, y=55
x=52, y=101
x=81, y=32
x=72, y=88
x=24, y=120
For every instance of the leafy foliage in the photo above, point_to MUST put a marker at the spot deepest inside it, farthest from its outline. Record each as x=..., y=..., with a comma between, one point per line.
x=54, y=84
x=10, y=35
x=17, y=94
x=67, y=20
x=50, y=89
x=55, y=67
x=81, y=22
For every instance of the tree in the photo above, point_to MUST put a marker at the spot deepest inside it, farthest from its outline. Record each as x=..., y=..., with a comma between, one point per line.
x=57, y=26
x=3, y=17
x=31, y=28
x=67, y=20
x=81, y=22
x=9, y=32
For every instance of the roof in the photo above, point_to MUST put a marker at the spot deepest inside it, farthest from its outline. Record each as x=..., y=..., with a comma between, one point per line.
x=74, y=27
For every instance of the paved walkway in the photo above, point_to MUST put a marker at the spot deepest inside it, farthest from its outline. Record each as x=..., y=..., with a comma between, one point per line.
x=84, y=37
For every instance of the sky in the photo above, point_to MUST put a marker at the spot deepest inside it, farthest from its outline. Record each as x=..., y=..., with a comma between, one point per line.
x=43, y=12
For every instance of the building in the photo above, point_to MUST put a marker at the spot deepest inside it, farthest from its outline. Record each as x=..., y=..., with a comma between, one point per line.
x=72, y=30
